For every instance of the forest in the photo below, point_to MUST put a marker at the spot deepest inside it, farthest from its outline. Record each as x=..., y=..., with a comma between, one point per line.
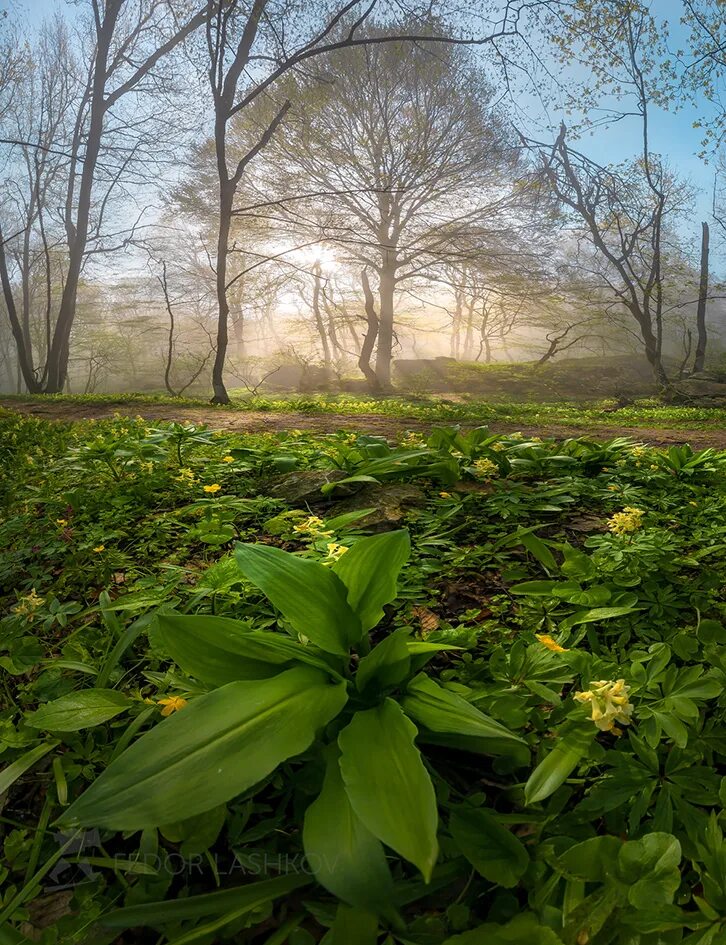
x=362, y=472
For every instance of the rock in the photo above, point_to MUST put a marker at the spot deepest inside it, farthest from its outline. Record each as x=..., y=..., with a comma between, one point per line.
x=303, y=486
x=389, y=504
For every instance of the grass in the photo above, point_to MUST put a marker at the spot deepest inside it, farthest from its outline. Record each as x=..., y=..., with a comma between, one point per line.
x=647, y=413
x=581, y=584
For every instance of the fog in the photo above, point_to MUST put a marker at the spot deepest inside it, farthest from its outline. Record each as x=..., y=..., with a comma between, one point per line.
x=198, y=202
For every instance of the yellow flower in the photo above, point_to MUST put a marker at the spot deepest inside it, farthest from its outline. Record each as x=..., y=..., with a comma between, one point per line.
x=61, y=521
x=185, y=475
x=485, y=468
x=314, y=527
x=228, y=459
x=445, y=495
x=99, y=548
x=172, y=704
x=336, y=550
x=613, y=488
x=546, y=640
x=26, y=605
x=609, y=702
x=498, y=447
x=638, y=451
x=629, y=520
x=215, y=487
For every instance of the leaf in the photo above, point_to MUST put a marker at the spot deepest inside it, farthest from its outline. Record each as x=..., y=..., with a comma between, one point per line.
x=9, y=775
x=545, y=588
x=493, y=851
x=387, y=664
x=219, y=650
x=650, y=868
x=156, y=914
x=370, y=573
x=597, y=613
x=306, y=593
x=216, y=747
x=558, y=764
x=79, y=710
x=353, y=927
x=344, y=855
x=387, y=784
x=522, y=929
x=443, y=711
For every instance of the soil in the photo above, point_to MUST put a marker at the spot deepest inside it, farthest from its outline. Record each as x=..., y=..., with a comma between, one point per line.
x=267, y=422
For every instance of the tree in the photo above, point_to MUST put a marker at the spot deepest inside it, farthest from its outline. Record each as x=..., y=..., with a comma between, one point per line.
x=410, y=164
x=124, y=45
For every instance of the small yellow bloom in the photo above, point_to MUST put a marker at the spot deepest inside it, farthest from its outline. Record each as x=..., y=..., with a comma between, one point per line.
x=485, y=468
x=546, y=640
x=99, y=548
x=215, y=487
x=445, y=495
x=694, y=504
x=629, y=520
x=609, y=702
x=185, y=475
x=228, y=459
x=498, y=447
x=613, y=488
x=314, y=527
x=172, y=704
x=61, y=521
x=336, y=550
x=28, y=604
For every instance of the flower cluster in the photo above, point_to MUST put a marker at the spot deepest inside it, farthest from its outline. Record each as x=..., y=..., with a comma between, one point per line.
x=210, y=490
x=485, y=468
x=313, y=527
x=546, y=640
x=27, y=605
x=336, y=550
x=186, y=476
x=629, y=520
x=609, y=702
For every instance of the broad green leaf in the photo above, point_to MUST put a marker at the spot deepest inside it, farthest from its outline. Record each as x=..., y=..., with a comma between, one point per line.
x=9, y=775
x=344, y=855
x=79, y=710
x=593, y=615
x=493, y=851
x=522, y=930
x=440, y=710
x=387, y=664
x=650, y=869
x=545, y=588
x=370, y=573
x=219, y=650
x=157, y=914
x=353, y=927
x=216, y=747
x=387, y=784
x=306, y=593
x=559, y=764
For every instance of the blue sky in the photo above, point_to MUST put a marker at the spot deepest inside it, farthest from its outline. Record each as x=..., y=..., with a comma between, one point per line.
x=672, y=133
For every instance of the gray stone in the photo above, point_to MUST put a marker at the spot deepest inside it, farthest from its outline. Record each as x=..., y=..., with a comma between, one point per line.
x=303, y=486
x=389, y=504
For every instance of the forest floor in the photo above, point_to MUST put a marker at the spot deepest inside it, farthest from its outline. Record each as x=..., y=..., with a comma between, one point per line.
x=261, y=420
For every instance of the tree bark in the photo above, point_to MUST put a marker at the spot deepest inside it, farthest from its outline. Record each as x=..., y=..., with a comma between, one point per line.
x=364, y=360
x=384, y=351
x=699, y=360
x=319, y=324
x=226, y=200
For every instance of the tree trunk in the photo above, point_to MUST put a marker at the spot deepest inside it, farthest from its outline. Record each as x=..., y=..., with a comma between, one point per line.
x=226, y=199
x=384, y=351
x=319, y=324
x=364, y=360
x=700, y=358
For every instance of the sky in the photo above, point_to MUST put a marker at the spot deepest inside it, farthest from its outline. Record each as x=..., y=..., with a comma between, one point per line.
x=672, y=132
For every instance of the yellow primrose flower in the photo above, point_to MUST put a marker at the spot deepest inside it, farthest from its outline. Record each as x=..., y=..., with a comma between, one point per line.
x=546, y=640
x=172, y=704
x=638, y=451
x=629, y=520
x=516, y=436
x=336, y=550
x=609, y=702
x=62, y=522
x=613, y=488
x=99, y=548
x=26, y=605
x=228, y=459
x=445, y=495
x=485, y=468
x=314, y=527
x=215, y=487
x=185, y=475
x=498, y=447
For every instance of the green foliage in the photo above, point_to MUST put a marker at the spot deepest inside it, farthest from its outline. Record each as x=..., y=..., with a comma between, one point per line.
x=503, y=722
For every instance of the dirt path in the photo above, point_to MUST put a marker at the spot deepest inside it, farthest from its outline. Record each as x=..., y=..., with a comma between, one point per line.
x=263, y=422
